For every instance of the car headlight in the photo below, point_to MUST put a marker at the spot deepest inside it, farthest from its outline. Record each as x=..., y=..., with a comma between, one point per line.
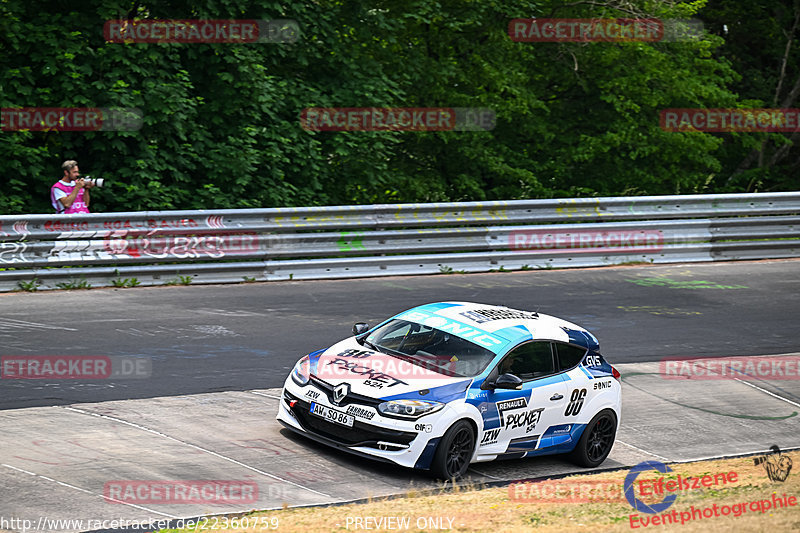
x=301, y=372
x=410, y=409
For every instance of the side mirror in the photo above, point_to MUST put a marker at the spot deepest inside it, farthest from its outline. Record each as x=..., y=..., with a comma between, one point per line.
x=507, y=381
x=360, y=327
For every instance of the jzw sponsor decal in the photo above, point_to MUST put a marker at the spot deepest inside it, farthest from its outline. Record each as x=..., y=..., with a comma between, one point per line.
x=602, y=385
x=575, y=402
x=312, y=394
x=508, y=405
x=426, y=428
x=529, y=419
x=360, y=412
x=490, y=436
x=451, y=326
x=593, y=360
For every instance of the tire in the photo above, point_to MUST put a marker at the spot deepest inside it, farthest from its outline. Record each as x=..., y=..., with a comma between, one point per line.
x=597, y=440
x=454, y=451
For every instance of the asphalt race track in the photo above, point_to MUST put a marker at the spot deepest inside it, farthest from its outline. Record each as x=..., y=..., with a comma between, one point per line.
x=201, y=406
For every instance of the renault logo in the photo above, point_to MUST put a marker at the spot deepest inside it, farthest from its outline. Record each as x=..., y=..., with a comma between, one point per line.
x=339, y=392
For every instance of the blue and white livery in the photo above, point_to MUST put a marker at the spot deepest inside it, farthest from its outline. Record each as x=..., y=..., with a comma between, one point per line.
x=447, y=384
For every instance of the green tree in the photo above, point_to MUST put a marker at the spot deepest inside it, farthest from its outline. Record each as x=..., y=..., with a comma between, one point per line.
x=762, y=42
x=221, y=122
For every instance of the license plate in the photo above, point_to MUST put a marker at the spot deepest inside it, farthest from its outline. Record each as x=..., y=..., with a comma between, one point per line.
x=337, y=417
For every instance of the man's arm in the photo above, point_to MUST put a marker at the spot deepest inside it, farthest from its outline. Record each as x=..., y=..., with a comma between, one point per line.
x=68, y=200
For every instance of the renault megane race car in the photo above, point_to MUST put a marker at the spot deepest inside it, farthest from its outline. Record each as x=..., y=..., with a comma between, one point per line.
x=447, y=384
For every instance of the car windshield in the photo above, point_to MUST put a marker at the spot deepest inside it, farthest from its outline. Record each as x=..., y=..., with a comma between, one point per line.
x=431, y=348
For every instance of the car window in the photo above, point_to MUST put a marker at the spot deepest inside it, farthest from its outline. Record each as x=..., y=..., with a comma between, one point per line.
x=396, y=335
x=568, y=355
x=528, y=361
x=432, y=348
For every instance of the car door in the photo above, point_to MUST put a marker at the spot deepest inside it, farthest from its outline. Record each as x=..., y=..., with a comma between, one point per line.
x=518, y=418
x=562, y=432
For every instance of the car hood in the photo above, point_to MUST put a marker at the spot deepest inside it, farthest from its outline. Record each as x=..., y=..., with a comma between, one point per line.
x=382, y=376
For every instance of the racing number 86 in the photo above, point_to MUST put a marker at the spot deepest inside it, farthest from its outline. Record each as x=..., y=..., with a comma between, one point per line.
x=575, y=402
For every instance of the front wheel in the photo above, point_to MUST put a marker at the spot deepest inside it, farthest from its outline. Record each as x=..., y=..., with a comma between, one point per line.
x=597, y=439
x=454, y=452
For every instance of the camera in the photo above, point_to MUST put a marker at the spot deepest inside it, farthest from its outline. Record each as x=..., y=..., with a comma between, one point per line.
x=97, y=182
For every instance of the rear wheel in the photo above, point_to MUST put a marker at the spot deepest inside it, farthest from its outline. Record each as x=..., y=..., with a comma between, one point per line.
x=597, y=439
x=454, y=452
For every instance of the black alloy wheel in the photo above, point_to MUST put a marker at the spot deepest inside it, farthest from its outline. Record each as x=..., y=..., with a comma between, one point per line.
x=454, y=452
x=601, y=439
x=597, y=440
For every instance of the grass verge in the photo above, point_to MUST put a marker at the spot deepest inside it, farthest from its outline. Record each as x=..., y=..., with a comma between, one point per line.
x=590, y=502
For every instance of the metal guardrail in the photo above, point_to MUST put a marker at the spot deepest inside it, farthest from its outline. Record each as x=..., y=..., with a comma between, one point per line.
x=222, y=246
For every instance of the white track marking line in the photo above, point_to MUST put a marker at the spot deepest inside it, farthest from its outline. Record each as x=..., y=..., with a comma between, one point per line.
x=88, y=491
x=484, y=474
x=726, y=456
x=264, y=395
x=24, y=324
x=204, y=450
x=641, y=450
x=767, y=392
x=756, y=386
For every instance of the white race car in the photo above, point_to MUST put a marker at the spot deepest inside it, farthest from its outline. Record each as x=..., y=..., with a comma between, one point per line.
x=447, y=384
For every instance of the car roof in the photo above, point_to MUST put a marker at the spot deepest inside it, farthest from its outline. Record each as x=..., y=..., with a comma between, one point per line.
x=513, y=325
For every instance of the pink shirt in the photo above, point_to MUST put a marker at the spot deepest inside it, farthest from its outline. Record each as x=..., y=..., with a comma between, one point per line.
x=65, y=189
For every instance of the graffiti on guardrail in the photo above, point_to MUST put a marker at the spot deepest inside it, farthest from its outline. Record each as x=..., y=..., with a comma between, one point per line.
x=19, y=227
x=67, y=226
x=578, y=207
x=13, y=252
x=146, y=224
x=183, y=246
x=405, y=239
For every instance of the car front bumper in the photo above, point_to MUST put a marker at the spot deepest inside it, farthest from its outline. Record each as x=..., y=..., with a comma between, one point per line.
x=408, y=443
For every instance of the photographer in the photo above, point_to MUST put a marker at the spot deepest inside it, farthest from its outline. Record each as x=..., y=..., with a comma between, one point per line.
x=71, y=193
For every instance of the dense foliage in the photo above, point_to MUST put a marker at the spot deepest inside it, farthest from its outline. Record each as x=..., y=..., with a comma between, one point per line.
x=221, y=124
